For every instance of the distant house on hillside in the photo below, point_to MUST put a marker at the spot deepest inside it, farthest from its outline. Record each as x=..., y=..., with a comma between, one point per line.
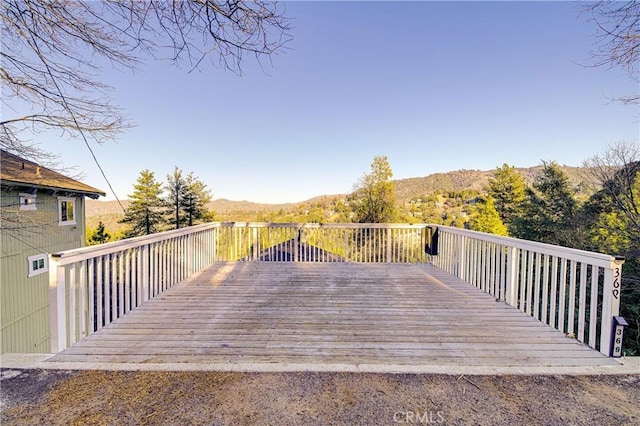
x=41, y=212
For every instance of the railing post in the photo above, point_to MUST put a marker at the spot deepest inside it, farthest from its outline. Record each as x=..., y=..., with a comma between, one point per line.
x=57, y=306
x=610, y=303
x=511, y=286
x=388, y=245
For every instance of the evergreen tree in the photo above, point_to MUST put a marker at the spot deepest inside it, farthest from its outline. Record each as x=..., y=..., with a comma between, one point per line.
x=486, y=218
x=98, y=236
x=145, y=214
x=373, y=199
x=194, y=200
x=507, y=188
x=549, y=209
x=176, y=192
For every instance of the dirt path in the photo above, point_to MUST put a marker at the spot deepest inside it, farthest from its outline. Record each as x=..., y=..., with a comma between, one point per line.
x=178, y=398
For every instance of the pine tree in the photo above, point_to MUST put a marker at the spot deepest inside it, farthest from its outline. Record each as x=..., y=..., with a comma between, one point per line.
x=98, y=236
x=507, y=188
x=186, y=198
x=194, y=200
x=145, y=214
x=176, y=191
x=549, y=209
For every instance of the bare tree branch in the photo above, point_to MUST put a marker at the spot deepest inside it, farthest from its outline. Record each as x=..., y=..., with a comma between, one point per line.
x=618, y=38
x=617, y=170
x=53, y=54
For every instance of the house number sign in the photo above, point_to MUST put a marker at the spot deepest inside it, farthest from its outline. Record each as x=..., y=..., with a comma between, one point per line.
x=616, y=282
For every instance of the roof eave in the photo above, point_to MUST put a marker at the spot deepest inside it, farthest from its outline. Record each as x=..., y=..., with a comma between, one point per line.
x=91, y=194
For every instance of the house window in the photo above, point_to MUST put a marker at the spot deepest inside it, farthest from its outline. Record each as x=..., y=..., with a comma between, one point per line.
x=66, y=211
x=27, y=202
x=38, y=264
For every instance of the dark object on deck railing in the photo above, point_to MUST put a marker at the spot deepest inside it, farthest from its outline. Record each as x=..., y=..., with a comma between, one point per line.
x=431, y=247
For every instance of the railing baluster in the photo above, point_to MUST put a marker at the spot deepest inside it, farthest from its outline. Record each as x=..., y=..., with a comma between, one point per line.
x=83, y=299
x=573, y=271
x=114, y=287
x=593, y=306
x=562, y=297
x=72, y=304
x=99, y=293
x=121, y=285
x=554, y=292
x=545, y=289
x=91, y=295
x=582, y=301
x=529, y=280
x=538, y=268
x=106, y=269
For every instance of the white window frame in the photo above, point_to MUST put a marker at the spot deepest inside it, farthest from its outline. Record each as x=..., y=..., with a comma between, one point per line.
x=42, y=264
x=62, y=200
x=27, y=201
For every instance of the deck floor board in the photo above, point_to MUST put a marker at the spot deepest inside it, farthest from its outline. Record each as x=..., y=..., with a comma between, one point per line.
x=339, y=313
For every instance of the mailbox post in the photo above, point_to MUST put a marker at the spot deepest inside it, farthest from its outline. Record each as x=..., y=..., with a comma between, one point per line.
x=619, y=323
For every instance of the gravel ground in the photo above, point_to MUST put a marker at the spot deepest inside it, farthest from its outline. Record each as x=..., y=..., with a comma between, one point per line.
x=38, y=397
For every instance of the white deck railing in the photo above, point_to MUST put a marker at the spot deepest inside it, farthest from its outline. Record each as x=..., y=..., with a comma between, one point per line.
x=315, y=242
x=575, y=291
x=93, y=286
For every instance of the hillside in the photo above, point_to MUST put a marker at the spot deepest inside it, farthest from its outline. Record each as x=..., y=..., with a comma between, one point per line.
x=109, y=212
x=470, y=180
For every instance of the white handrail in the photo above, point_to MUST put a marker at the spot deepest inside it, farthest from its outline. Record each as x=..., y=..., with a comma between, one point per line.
x=93, y=286
x=574, y=291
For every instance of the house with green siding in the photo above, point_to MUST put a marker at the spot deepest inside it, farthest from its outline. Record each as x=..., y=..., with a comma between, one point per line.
x=42, y=212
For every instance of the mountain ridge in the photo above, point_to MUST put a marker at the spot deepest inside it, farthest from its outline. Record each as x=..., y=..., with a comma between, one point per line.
x=406, y=189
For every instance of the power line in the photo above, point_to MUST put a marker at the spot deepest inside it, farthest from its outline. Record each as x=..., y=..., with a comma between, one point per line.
x=73, y=116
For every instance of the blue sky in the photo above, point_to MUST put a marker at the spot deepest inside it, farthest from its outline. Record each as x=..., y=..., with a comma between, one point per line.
x=434, y=86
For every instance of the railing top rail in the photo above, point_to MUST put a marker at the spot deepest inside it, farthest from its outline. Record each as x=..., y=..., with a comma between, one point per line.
x=322, y=225
x=83, y=253
x=598, y=259
x=75, y=255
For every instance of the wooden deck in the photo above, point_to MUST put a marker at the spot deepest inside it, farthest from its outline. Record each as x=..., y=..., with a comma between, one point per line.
x=334, y=313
